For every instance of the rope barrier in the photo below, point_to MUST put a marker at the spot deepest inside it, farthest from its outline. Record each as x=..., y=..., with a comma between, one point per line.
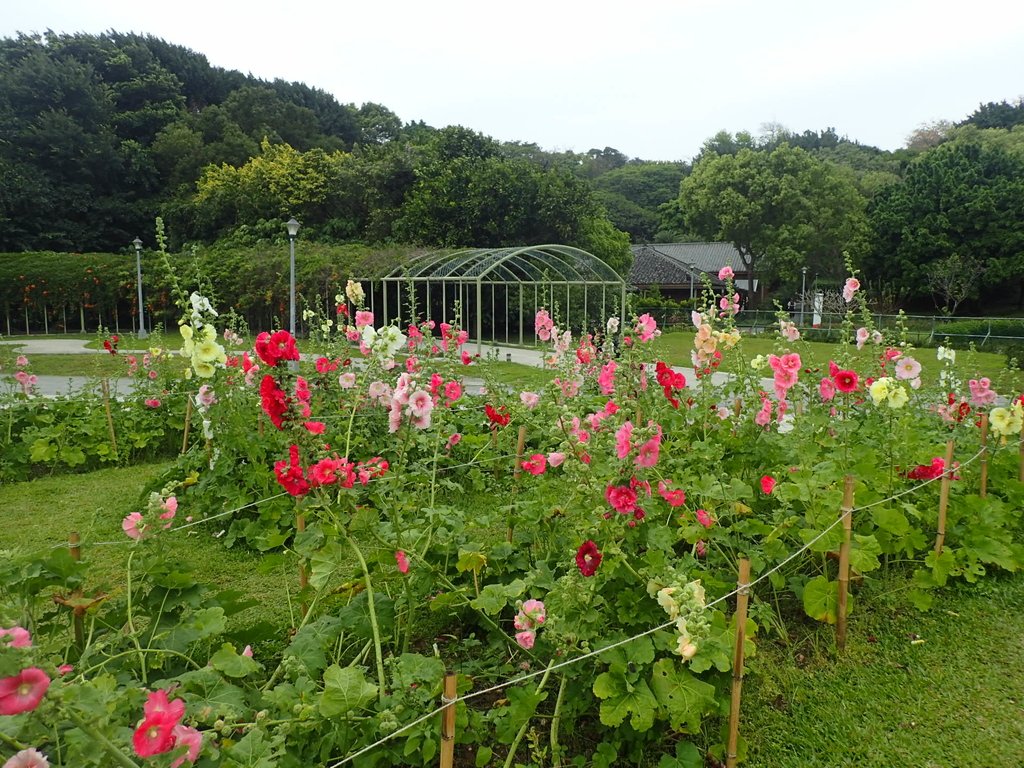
x=619, y=643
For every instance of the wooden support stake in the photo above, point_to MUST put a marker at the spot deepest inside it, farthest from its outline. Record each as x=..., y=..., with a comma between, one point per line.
x=947, y=476
x=75, y=547
x=737, y=406
x=188, y=424
x=448, y=720
x=1020, y=473
x=983, y=491
x=520, y=447
x=844, y=562
x=105, y=386
x=743, y=583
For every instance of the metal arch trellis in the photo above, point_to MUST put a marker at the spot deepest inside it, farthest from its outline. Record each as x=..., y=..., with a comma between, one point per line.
x=462, y=276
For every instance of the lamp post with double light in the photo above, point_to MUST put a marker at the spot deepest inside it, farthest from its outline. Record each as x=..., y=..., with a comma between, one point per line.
x=138, y=275
x=293, y=230
x=803, y=296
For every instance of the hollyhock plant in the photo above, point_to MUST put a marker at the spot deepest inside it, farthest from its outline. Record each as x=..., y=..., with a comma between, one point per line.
x=846, y=381
x=726, y=273
x=850, y=288
x=907, y=368
x=23, y=692
x=588, y=558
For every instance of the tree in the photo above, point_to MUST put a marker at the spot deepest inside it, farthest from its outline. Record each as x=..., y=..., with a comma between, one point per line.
x=781, y=210
x=954, y=279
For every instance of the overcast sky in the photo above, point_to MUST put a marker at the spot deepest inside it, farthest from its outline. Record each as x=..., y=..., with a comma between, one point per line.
x=652, y=78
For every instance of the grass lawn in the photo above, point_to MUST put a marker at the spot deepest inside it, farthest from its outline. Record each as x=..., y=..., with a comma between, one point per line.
x=943, y=689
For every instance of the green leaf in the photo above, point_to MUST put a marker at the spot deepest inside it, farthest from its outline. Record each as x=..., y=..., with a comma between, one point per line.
x=203, y=623
x=470, y=561
x=233, y=664
x=942, y=565
x=253, y=751
x=494, y=597
x=684, y=697
x=327, y=561
x=891, y=520
x=821, y=599
x=830, y=542
x=483, y=756
x=210, y=692
x=523, y=702
x=346, y=689
x=42, y=450
x=621, y=699
x=864, y=552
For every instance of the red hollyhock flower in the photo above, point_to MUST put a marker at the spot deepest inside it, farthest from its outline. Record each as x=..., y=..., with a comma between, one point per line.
x=536, y=464
x=274, y=401
x=846, y=381
x=290, y=475
x=622, y=498
x=155, y=735
x=588, y=558
x=675, y=498
x=275, y=347
x=23, y=691
x=928, y=471
x=767, y=484
x=499, y=417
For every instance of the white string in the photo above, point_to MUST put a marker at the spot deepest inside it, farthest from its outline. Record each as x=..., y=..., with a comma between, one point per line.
x=591, y=654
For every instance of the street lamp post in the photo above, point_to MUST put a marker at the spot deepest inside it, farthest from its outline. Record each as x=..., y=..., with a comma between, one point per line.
x=138, y=274
x=293, y=230
x=803, y=297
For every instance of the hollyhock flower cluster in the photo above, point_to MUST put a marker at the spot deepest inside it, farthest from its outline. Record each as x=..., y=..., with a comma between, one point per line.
x=685, y=606
x=528, y=620
x=726, y=273
x=670, y=382
x=606, y=379
x=850, y=288
x=332, y=470
x=675, y=497
x=838, y=380
x=383, y=342
x=497, y=417
x=981, y=392
x=786, y=370
x=27, y=381
x=729, y=305
x=928, y=471
x=161, y=730
x=543, y=324
x=199, y=338
x=233, y=338
x=274, y=347
x=160, y=512
x=17, y=637
x=410, y=401
x=888, y=391
x=764, y=416
x=588, y=558
x=111, y=344
x=624, y=499
x=529, y=399
x=23, y=692
x=647, y=450
x=789, y=330
x=355, y=293
x=537, y=464
x=954, y=411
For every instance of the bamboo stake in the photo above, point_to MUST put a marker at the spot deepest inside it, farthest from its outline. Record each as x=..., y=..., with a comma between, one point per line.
x=520, y=447
x=944, y=499
x=448, y=721
x=1020, y=473
x=844, y=562
x=743, y=583
x=188, y=424
x=75, y=547
x=737, y=406
x=105, y=385
x=984, y=456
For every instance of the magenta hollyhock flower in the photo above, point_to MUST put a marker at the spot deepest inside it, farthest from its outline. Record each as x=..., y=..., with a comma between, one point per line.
x=623, y=438
x=23, y=691
x=452, y=391
x=363, y=318
x=402, y=560
x=19, y=637
x=846, y=381
x=704, y=518
x=767, y=484
x=157, y=703
x=588, y=558
x=647, y=455
x=646, y=327
x=152, y=402
x=675, y=498
x=154, y=736
x=606, y=379
x=622, y=498
x=28, y=758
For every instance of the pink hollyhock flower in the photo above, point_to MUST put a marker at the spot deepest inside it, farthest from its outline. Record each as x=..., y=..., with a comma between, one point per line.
x=290, y=474
x=65, y=669
x=647, y=455
x=703, y=518
x=272, y=348
x=790, y=362
x=420, y=403
x=623, y=436
x=534, y=611
x=622, y=498
x=827, y=389
x=606, y=379
x=21, y=361
x=348, y=380
x=134, y=526
x=185, y=736
x=555, y=458
x=536, y=464
x=152, y=402
x=646, y=327
x=981, y=393
x=907, y=368
x=154, y=736
x=675, y=498
x=851, y=287
x=527, y=637
x=157, y=703
x=421, y=422
x=928, y=471
x=402, y=560
x=723, y=412
x=28, y=758
x=247, y=651
x=324, y=365
x=767, y=484
x=314, y=427
x=453, y=441
x=529, y=399
x=764, y=416
x=701, y=547
x=152, y=375
x=412, y=364
x=206, y=397
x=467, y=359
x=23, y=691
x=789, y=331
x=696, y=318
x=452, y=391
x=726, y=273
x=19, y=637
x=363, y=318
x=862, y=337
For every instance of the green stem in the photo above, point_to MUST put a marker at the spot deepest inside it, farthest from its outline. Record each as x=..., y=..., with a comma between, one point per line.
x=348, y=433
x=131, y=626
x=556, y=720
x=161, y=651
x=12, y=742
x=119, y=757
x=373, y=617
x=522, y=731
x=305, y=620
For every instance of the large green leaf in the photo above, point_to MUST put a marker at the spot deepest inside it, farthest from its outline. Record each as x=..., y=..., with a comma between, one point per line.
x=821, y=599
x=232, y=663
x=621, y=699
x=346, y=689
x=684, y=697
